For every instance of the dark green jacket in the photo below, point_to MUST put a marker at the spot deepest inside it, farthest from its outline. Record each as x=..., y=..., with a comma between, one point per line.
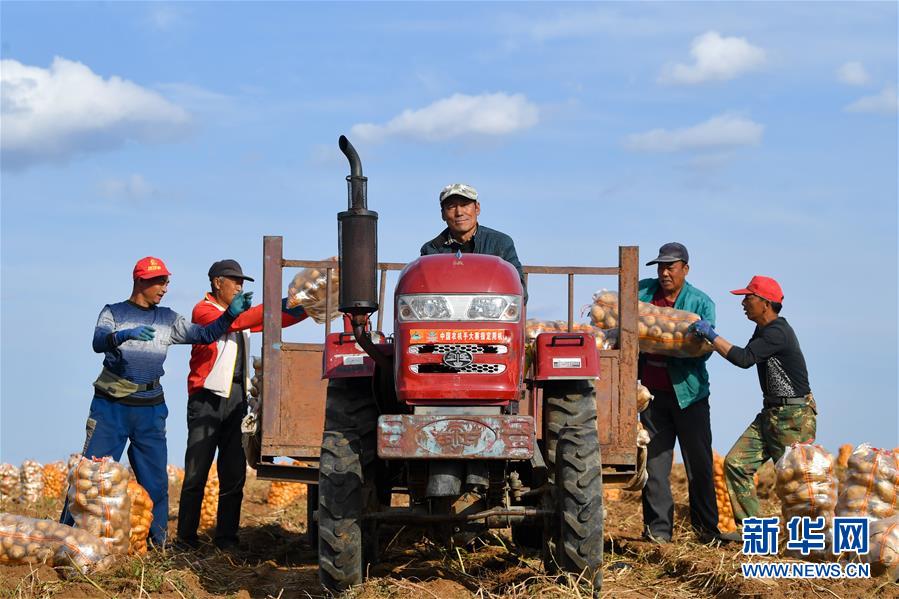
x=689, y=376
x=486, y=241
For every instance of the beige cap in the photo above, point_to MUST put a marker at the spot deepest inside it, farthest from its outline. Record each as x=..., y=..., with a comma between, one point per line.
x=459, y=189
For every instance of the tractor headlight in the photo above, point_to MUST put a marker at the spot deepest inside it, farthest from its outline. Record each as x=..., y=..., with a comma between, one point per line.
x=502, y=308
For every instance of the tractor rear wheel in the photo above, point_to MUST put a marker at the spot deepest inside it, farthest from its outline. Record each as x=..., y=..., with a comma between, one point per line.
x=578, y=492
x=346, y=491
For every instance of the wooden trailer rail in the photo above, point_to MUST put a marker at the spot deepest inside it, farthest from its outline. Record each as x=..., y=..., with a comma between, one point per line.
x=293, y=390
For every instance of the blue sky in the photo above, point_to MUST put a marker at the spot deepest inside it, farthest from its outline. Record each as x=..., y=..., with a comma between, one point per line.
x=761, y=135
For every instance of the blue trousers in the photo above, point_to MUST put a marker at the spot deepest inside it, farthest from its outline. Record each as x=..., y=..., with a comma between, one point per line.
x=144, y=427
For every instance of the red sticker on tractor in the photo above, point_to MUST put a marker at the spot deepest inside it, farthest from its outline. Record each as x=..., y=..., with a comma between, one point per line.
x=458, y=336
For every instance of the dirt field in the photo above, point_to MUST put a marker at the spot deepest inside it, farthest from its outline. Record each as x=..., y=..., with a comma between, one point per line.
x=278, y=562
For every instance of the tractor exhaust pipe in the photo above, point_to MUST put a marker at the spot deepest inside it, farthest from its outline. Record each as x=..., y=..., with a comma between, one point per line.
x=357, y=241
x=357, y=251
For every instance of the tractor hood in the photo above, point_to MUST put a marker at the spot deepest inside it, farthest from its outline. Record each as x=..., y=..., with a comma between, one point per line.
x=459, y=273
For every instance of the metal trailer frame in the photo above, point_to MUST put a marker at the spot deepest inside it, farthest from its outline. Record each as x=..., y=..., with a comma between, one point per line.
x=294, y=391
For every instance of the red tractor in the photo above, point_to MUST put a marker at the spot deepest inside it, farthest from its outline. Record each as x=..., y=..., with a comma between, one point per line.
x=443, y=411
x=480, y=426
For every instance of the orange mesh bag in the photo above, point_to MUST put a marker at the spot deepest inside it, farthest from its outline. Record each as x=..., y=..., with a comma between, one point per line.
x=99, y=501
x=870, y=484
x=141, y=518
x=210, y=506
x=54, y=480
x=281, y=494
x=662, y=330
x=726, y=521
x=309, y=289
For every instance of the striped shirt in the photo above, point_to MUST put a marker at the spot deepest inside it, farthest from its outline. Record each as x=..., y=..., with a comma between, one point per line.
x=141, y=361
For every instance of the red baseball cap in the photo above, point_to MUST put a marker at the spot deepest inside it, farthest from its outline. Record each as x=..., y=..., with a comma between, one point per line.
x=764, y=287
x=150, y=268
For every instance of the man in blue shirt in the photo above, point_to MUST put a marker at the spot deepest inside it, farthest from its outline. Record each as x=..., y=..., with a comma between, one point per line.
x=128, y=403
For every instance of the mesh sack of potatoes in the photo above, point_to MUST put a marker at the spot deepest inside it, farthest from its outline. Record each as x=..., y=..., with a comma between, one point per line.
x=99, y=501
x=31, y=475
x=726, y=522
x=309, y=288
x=282, y=494
x=9, y=481
x=883, y=554
x=210, y=506
x=25, y=540
x=870, y=484
x=141, y=518
x=806, y=483
x=175, y=474
x=55, y=479
x=661, y=330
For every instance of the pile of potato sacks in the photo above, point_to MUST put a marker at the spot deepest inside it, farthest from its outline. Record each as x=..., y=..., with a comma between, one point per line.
x=868, y=486
x=309, y=289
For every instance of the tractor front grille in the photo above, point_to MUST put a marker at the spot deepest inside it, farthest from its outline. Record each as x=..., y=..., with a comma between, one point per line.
x=445, y=348
x=470, y=369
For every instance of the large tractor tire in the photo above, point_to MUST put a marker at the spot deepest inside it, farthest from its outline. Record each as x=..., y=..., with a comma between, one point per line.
x=565, y=404
x=346, y=489
x=578, y=493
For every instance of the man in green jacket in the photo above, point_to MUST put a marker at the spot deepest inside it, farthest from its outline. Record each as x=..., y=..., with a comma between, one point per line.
x=680, y=409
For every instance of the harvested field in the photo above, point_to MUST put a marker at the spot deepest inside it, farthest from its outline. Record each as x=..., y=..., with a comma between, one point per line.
x=276, y=561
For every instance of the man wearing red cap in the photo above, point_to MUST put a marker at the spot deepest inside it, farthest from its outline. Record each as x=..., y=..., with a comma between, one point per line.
x=128, y=403
x=788, y=413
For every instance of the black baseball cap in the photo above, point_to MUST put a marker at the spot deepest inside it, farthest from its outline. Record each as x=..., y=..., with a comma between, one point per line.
x=227, y=268
x=671, y=252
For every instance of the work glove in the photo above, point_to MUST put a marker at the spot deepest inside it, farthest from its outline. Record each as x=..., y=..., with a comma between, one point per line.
x=296, y=311
x=141, y=333
x=240, y=304
x=704, y=329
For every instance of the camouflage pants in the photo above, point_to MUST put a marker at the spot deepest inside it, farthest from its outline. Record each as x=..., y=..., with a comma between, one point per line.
x=772, y=431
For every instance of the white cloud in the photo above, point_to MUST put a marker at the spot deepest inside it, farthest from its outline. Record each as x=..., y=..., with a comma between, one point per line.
x=134, y=187
x=716, y=58
x=457, y=116
x=853, y=73
x=52, y=115
x=885, y=102
x=720, y=132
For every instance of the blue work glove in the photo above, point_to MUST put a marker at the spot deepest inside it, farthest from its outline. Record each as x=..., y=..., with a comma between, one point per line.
x=704, y=329
x=296, y=311
x=240, y=304
x=141, y=333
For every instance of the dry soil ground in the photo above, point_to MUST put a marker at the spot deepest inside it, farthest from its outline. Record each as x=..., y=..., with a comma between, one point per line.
x=276, y=561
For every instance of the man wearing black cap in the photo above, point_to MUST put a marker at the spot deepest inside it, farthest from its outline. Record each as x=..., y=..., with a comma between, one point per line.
x=217, y=402
x=680, y=409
